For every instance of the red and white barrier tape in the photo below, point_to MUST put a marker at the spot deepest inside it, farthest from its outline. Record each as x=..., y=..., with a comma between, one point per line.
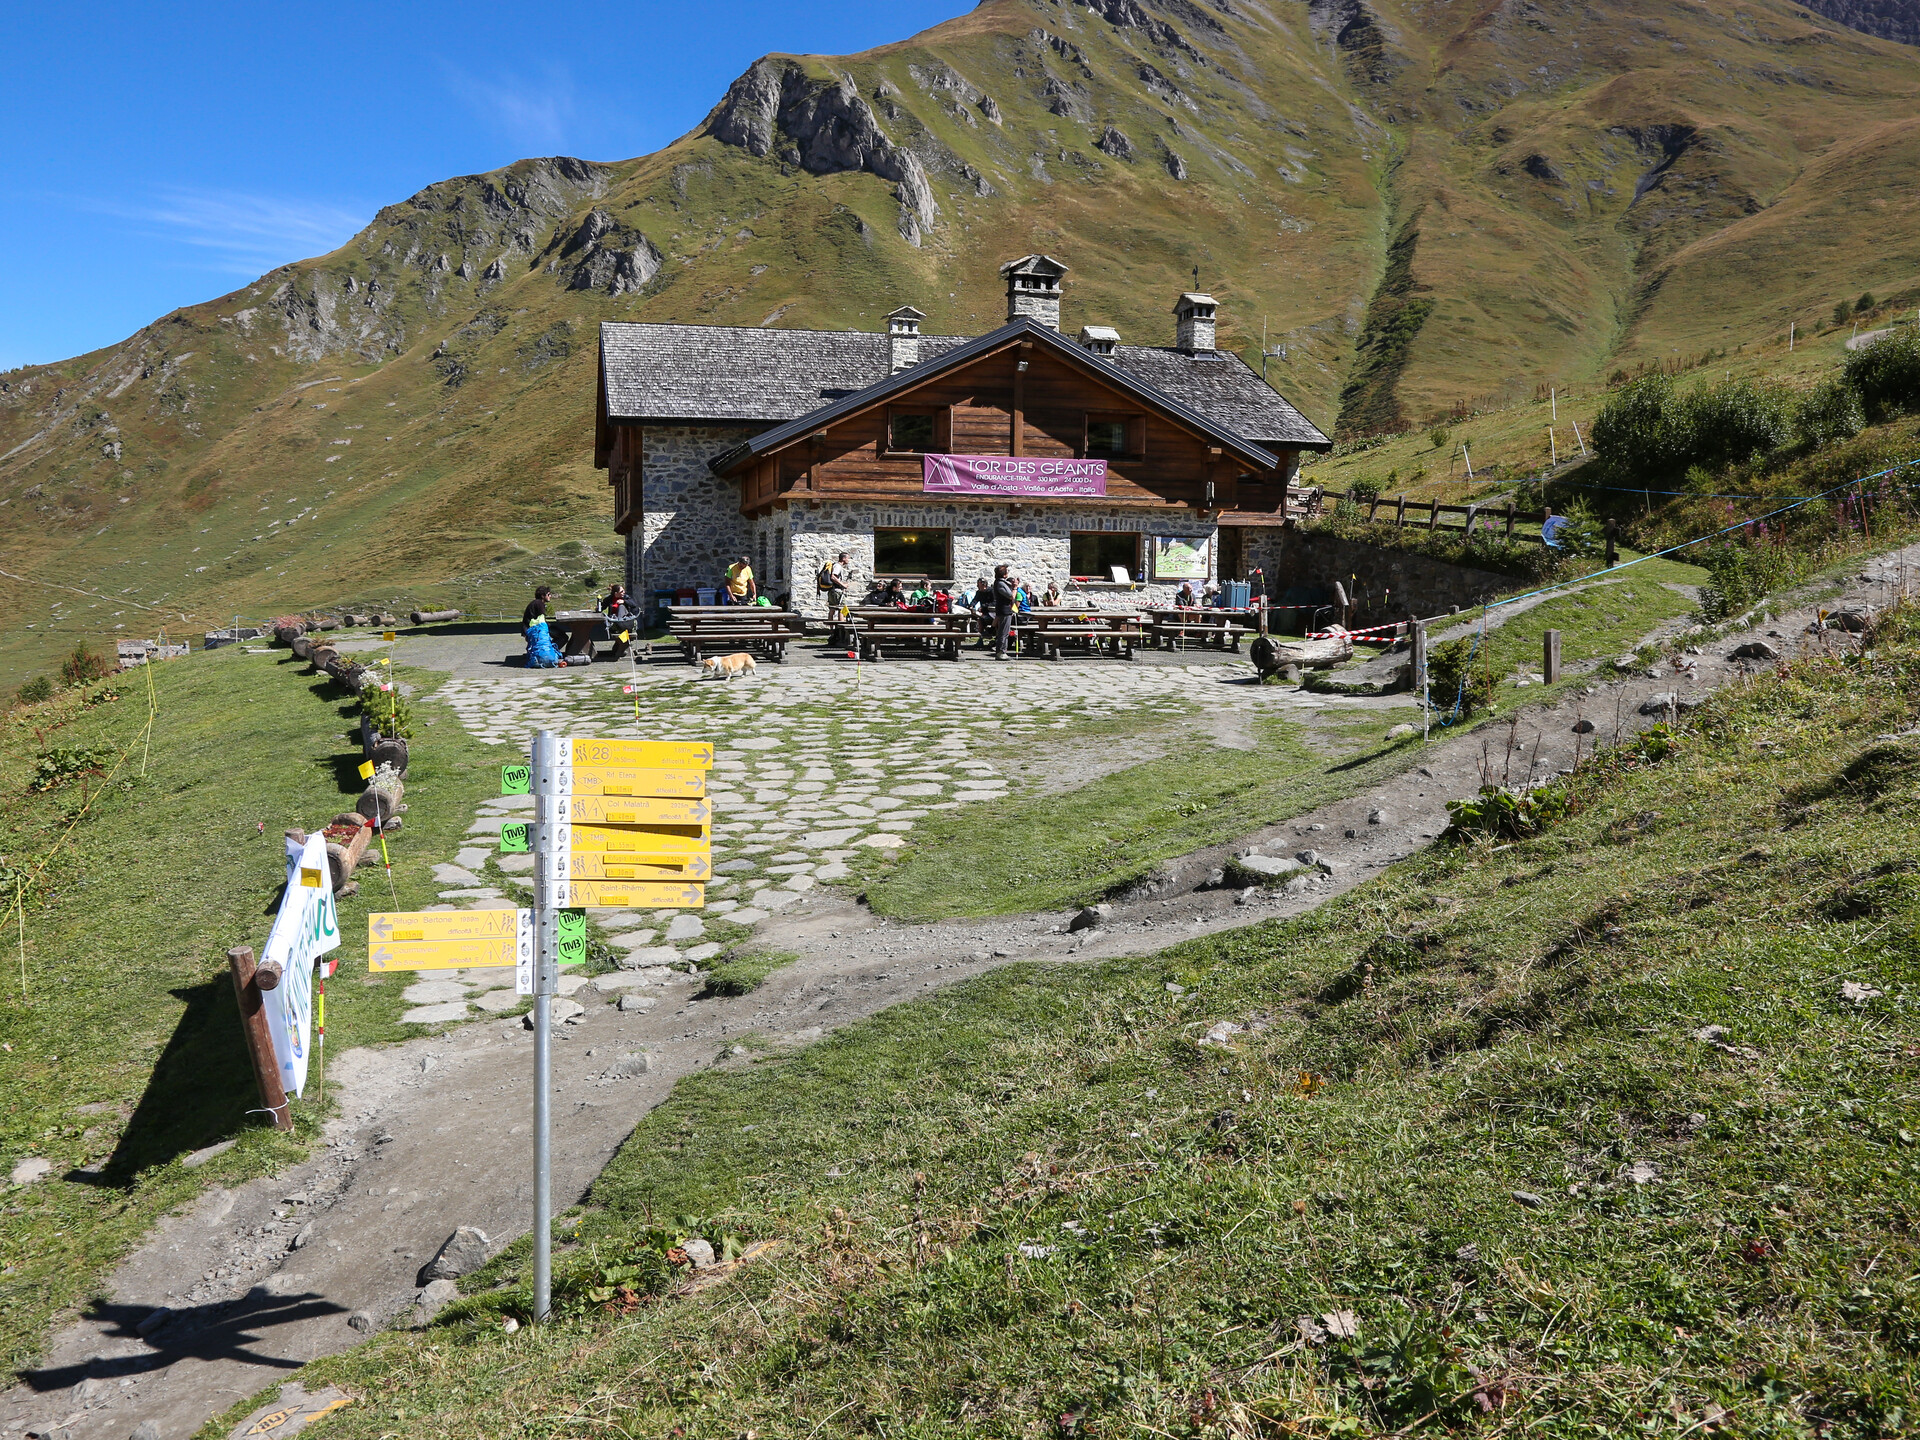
x=1390, y=631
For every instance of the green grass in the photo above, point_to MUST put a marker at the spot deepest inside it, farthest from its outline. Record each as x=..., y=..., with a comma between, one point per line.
x=1034, y=852
x=128, y=1002
x=744, y=973
x=1477, y=1022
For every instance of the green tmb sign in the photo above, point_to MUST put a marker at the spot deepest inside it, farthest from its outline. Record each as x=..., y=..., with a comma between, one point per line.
x=516, y=779
x=573, y=937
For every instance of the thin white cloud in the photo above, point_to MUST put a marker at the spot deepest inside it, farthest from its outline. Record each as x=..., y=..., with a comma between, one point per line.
x=533, y=113
x=242, y=234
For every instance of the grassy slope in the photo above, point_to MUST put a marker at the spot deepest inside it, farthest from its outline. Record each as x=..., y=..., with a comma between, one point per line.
x=1477, y=1022
x=125, y=941
x=1302, y=161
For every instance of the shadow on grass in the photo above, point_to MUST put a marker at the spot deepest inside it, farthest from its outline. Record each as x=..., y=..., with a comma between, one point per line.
x=200, y=1091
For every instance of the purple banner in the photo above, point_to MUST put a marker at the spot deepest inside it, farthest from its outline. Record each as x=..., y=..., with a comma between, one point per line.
x=1010, y=475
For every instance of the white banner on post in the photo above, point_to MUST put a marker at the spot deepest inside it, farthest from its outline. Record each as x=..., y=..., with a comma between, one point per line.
x=306, y=928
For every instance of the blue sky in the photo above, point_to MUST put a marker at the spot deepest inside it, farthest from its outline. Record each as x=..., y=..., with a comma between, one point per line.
x=156, y=155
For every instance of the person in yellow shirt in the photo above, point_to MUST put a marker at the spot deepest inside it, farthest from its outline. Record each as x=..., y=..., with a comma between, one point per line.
x=740, y=589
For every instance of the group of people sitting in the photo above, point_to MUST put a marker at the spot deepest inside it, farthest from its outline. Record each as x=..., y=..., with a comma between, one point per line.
x=543, y=641
x=1209, y=594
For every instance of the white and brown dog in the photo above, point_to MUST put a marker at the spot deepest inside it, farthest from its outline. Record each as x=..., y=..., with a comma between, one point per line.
x=725, y=667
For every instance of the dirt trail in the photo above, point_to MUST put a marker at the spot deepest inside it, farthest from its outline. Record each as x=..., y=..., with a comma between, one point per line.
x=435, y=1133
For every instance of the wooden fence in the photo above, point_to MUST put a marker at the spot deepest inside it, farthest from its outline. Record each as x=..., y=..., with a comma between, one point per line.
x=1309, y=503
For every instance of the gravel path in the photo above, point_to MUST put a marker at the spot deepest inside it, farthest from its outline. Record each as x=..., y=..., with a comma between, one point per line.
x=434, y=1133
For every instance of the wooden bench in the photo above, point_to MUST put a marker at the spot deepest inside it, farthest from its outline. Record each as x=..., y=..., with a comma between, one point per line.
x=1170, y=629
x=934, y=634
x=705, y=630
x=1049, y=632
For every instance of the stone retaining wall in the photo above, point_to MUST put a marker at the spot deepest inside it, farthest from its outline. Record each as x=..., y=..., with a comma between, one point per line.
x=1384, y=584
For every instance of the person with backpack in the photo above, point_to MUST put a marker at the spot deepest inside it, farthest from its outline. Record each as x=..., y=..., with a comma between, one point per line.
x=832, y=583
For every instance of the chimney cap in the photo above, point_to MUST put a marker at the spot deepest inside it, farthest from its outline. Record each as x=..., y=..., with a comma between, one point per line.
x=905, y=321
x=1099, y=332
x=1040, y=267
x=1193, y=302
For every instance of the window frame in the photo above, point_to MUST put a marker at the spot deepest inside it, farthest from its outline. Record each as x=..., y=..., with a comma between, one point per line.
x=881, y=574
x=1134, y=568
x=942, y=429
x=1136, y=432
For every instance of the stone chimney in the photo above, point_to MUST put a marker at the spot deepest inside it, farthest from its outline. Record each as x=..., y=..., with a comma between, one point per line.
x=1099, y=340
x=1193, y=323
x=903, y=338
x=1033, y=289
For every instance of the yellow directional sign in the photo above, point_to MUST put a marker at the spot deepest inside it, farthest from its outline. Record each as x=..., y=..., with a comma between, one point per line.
x=642, y=841
x=640, y=810
x=612, y=865
x=619, y=894
x=684, y=784
x=645, y=754
x=443, y=954
x=444, y=939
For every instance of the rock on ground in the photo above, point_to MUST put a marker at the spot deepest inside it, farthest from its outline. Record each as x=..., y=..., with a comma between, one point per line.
x=462, y=1253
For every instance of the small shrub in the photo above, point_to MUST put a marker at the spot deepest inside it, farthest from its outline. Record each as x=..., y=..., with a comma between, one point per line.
x=1864, y=303
x=1509, y=814
x=1842, y=313
x=388, y=711
x=1365, y=492
x=1742, y=572
x=64, y=764
x=1635, y=431
x=36, y=691
x=1735, y=420
x=85, y=665
x=1830, y=412
x=1886, y=374
x=1438, y=436
x=1460, y=674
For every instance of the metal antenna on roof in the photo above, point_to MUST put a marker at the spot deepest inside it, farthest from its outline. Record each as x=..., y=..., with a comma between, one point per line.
x=1196, y=279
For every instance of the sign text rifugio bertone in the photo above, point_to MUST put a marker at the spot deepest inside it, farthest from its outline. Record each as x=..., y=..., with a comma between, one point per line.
x=616, y=823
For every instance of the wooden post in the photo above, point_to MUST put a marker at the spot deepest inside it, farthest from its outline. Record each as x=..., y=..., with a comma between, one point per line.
x=1400, y=511
x=1417, y=640
x=1613, y=543
x=253, y=1024
x=1509, y=519
x=1550, y=658
x=1433, y=516
x=1373, y=507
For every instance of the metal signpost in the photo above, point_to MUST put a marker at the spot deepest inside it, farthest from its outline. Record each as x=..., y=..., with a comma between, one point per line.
x=615, y=823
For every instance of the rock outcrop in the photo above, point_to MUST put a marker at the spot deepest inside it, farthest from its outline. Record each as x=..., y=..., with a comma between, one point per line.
x=822, y=126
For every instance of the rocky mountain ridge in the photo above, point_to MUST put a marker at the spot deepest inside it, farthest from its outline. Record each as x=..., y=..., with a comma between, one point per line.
x=1418, y=209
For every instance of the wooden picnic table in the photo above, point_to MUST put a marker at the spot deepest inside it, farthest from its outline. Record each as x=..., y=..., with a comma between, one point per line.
x=1170, y=627
x=581, y=628
x=1051, y=630
x=934, y=634
x=723, y=629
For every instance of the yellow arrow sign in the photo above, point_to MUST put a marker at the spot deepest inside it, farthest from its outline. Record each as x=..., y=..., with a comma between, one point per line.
x=641, y=810
x=619, y=894
x=638, y=781
x=643, y=839
x=647, y=754
x=443, y=954
x=408, y=925
x=604, y=865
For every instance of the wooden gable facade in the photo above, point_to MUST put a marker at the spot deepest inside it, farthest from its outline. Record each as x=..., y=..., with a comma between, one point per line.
x=1023, y=397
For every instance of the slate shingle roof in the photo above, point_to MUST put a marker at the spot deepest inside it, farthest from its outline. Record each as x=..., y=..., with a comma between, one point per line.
x=732, y=373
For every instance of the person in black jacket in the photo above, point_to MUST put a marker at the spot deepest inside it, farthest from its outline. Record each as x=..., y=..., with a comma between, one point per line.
x=541, y=607
x=1003, y=595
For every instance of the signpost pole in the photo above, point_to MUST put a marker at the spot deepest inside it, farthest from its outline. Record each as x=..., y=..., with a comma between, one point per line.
x=546, y=902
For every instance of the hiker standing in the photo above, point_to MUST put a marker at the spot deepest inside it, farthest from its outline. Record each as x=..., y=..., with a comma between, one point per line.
x=1004, y=590
x=832, y=584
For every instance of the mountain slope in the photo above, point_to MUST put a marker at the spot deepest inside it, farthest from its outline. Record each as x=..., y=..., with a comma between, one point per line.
x=1424, y=205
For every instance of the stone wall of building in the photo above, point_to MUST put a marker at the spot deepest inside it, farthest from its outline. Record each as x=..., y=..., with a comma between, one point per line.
x=1035, y=542
x=691, y=527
